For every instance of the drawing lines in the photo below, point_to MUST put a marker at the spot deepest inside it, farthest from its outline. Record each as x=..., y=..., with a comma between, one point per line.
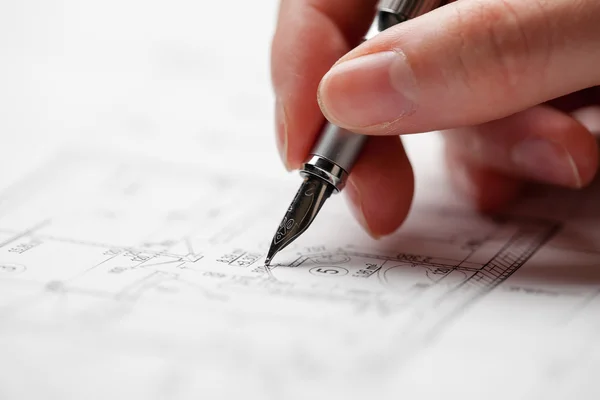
x=25, y=233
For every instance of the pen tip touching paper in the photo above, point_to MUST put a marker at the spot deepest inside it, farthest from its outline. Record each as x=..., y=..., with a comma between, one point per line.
x=300, y=214
x=273, y=249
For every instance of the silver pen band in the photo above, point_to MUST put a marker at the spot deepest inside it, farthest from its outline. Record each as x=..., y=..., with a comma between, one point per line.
x=334, y=155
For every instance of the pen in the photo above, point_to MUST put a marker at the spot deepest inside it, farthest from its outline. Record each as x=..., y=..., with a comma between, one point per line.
x=336, y=150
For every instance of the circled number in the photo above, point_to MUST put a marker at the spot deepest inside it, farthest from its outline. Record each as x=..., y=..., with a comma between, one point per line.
x=329, y=271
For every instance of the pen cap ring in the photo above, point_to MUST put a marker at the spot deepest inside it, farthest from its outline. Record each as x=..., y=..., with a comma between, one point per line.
x=326, y=170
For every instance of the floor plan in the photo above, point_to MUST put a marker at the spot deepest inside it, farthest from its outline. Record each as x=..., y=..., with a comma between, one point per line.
x=154, y=273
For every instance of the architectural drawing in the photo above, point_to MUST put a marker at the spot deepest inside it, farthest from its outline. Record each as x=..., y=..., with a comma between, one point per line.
x=164, y=261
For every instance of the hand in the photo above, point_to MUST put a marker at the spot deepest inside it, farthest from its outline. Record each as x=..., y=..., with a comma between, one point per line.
x=503, y=79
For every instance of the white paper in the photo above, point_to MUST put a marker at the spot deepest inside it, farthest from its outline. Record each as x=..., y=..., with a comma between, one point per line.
x=123, y=277
x=110, y=285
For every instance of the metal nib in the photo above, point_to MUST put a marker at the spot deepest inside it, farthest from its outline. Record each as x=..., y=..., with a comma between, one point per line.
x=304, y=208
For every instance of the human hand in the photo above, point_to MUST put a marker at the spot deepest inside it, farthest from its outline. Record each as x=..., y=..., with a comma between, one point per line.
x=505, y=80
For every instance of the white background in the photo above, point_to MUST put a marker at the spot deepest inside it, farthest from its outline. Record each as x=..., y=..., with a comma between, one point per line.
x=169, y=78
x=183, y=80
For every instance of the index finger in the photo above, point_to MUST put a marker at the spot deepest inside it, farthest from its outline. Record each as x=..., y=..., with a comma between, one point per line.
x=311, y=36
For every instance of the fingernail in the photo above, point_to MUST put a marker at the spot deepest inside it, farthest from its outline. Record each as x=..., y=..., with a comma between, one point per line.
x=370, y=90
x=546, y=162
x=281, y=132
x=356, y=207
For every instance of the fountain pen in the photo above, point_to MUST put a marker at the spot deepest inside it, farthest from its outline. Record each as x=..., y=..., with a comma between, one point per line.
x=331, y=160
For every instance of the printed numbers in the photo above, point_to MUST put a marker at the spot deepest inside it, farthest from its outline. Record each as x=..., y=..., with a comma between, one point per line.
x=231, y=257
x=112, y=252
x=23, y=247
x=315, y=249
x=246, y=260
x=11, y=269
x=441, y=271
x=239, y=258
x=414, y=258
x=329, y=271
x=367, y=271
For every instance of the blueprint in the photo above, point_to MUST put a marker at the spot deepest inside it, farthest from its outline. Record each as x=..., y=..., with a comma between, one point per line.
x=123, y=277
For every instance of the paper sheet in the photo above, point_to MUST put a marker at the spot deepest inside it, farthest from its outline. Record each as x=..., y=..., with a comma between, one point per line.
x=122, y=277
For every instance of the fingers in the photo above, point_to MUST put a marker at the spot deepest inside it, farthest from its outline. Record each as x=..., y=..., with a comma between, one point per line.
x=463, y=64
x=486, y=189
x=541, y=144
x=380, y=188
x=311, y=36
x=575, y=101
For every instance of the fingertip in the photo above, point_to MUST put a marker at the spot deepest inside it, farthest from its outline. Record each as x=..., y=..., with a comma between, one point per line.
x=573, y=136
x=541, y=144
x=585, y=150
x=484, y=189
x=455, y=72
x=368, y=93
x=380, y=189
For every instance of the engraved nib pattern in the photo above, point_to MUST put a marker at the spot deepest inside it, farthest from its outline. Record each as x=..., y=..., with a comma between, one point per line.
x=304, y=208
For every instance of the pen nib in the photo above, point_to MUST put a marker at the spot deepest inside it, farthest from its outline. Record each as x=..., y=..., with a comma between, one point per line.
x=304, y=208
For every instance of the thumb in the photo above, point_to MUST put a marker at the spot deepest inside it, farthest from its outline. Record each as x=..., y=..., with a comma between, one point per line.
x=466, y=63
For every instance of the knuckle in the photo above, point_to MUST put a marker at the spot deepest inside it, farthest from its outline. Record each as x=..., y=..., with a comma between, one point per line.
x=496, y=42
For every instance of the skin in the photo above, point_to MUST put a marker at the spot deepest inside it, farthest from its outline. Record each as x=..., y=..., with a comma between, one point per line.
x=511, y=84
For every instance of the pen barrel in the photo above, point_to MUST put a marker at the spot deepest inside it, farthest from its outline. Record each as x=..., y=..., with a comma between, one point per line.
x=408, y=9
x=339, y=146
